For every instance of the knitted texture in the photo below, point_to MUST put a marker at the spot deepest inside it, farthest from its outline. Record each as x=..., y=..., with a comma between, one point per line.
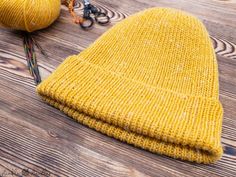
x=151, y=81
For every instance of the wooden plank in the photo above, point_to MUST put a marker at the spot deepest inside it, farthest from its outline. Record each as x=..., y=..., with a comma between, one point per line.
x=38, y=140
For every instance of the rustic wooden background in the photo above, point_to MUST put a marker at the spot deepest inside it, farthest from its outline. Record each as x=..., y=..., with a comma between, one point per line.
x=38, y=140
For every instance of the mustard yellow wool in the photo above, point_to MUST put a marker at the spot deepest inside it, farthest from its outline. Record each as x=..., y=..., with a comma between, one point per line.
x=151, y=81
x=28, y=15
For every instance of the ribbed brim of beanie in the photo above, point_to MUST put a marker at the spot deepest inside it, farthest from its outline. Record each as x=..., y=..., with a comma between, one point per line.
x=99, y=88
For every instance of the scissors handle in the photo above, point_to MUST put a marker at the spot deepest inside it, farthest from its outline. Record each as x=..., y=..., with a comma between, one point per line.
x=102, y=18
x=87, y=22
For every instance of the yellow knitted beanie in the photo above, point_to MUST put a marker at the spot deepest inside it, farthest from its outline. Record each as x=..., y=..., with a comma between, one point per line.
x=151, y=81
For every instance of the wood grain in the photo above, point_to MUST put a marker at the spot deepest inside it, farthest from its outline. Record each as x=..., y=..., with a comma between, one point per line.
x=38, y=140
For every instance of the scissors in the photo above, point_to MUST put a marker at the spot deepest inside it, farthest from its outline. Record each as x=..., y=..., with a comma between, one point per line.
x=100, y=17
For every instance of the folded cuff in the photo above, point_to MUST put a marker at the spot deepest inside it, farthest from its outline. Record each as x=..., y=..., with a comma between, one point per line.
x=159, y=120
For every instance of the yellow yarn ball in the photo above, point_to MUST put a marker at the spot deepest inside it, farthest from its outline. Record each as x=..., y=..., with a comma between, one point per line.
x=28, y=15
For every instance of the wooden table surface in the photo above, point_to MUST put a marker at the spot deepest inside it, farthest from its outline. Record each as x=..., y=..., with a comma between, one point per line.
x=39, y=140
